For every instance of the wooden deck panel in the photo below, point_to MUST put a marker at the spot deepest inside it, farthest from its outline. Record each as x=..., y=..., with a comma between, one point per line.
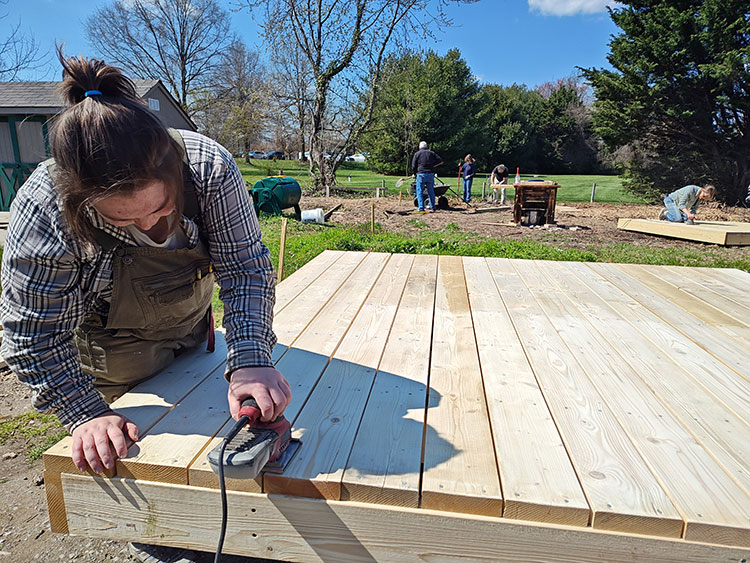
x=689, y=474
x=717, y=232
x=385, y=461
x=621, y=490
x=654, y=443
x=539, y=482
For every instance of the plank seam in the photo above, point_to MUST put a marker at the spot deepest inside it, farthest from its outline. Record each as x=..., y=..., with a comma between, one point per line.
x=427, y=394
x=484, y=389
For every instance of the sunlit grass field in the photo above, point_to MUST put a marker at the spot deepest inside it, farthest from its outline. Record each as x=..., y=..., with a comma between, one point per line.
x=573, y=188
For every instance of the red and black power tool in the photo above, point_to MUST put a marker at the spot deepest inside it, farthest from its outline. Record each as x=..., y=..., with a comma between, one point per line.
x=253, y=446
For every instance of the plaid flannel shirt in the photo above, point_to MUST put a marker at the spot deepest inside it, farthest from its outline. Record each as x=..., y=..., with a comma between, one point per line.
x=50, y=281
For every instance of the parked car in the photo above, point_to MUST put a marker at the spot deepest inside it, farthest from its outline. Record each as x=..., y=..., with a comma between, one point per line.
x=275, y=155
x=358, y=157
x=257, y=154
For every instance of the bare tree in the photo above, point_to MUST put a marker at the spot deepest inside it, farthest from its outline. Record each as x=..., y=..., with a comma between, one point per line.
x=18, y=52
x=176, y=41
x=345, y=44
x=234, y=106
x=294, y=92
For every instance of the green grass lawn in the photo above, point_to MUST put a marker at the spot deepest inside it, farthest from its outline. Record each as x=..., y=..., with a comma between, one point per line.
x=573, y=188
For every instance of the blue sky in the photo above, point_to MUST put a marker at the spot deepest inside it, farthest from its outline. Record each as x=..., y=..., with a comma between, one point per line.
x=503, y=41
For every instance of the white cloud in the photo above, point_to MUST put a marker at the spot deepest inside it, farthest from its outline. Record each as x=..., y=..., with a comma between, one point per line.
x=568, y=7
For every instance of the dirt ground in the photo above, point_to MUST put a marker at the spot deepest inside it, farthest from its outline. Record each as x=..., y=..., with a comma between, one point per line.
x=577, y=225
x=24, y=524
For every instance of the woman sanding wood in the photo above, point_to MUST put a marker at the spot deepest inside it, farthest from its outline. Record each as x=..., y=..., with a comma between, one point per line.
x=110, y=261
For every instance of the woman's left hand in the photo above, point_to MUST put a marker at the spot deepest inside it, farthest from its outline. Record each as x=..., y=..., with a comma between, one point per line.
x=265, y=384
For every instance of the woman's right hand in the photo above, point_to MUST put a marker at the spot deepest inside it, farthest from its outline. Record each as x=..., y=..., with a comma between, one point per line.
x=98, y=442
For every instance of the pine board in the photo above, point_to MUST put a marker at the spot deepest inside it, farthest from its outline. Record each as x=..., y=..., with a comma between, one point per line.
x=726, y=233
x=538, y=478
x=308, y=530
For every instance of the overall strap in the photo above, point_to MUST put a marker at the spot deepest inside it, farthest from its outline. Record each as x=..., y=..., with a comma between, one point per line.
x=191, y=209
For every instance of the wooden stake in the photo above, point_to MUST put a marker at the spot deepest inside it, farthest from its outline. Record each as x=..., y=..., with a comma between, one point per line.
x=282, y=247
x=593, y=191
x=484, y=185
x=328, y=191
x=372, y=218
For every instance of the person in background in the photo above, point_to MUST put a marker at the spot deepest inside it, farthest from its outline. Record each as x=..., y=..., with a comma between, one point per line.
x=499, y=180
x=468, y=169
x=423, y=164
x=124, y=200
x=681, y=205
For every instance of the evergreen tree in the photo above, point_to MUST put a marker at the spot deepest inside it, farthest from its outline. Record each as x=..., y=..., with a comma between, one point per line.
x=678, y=97
x=425, y=97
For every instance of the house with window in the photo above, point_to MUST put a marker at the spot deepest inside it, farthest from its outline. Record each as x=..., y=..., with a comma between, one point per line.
x=28, y=110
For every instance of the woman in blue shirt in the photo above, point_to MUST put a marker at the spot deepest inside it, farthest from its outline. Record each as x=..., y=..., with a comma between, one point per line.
x=468, y=169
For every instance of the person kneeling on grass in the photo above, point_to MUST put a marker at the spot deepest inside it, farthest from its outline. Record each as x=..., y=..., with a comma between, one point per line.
x=681, y=205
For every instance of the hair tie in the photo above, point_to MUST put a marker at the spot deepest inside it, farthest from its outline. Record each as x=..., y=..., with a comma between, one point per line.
x=92, y=93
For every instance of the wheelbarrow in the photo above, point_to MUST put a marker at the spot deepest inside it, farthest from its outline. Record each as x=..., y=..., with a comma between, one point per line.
x=440, y=200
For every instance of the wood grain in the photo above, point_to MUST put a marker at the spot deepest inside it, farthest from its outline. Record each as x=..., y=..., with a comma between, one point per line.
x=308, y=530
x=460, y=471
x=385, y=462
x=621, y=491
x=331, y=416
x=538, y=479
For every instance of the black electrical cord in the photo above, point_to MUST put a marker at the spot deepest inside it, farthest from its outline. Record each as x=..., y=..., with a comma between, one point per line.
x=244, y=419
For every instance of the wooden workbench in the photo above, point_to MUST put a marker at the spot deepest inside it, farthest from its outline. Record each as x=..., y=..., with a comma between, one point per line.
x=450, y=408
x=535, y=200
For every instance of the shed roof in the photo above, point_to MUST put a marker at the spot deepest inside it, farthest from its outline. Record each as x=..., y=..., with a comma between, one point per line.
x=42, y=98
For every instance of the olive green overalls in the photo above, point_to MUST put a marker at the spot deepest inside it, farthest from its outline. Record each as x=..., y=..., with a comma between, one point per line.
x=161, y=306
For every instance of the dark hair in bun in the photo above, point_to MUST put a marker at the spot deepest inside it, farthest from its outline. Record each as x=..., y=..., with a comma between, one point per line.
x=107, y=142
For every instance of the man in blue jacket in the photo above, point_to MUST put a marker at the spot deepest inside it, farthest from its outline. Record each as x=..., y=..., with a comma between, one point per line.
x=681, y=205
x=423, y=165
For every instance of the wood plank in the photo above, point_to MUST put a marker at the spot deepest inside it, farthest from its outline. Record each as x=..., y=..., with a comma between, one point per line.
x=712, y=281
x=327, y=314
x=726, y=384
x=659, y=437
x=621, y=491
x=305, y=361
x=291, y=321
x=150, y=401
x=332, y=414
x=168, y=448
x=460, y=471
x=385, y=462
x=538, y=479
x=737, y=331
x=680, y=277
x=678, y=318
x=308, y=530
x=716, y=388
x=292, y=286
x=714, y=507
x=716, y=232
x=58, y=518
x=739, y=279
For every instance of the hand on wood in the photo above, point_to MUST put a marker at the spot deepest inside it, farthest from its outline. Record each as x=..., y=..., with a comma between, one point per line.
x=266, y=385
x=98, y=442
